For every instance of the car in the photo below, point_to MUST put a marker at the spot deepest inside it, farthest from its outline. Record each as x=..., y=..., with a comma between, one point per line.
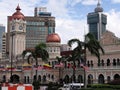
x=72, y=86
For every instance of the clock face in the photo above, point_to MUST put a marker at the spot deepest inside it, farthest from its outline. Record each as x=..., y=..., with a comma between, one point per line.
x=20, y=27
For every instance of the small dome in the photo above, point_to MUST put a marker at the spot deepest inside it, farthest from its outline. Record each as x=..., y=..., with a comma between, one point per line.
x=98, y=8
x=54, y=37
x=18, y=14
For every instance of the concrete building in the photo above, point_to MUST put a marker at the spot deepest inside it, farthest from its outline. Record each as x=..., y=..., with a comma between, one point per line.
x=65, y=47
x=97, y=21
x=4, y=55
x=38, y=27
x=17, y=34
x=107, y=71
x=2, y=31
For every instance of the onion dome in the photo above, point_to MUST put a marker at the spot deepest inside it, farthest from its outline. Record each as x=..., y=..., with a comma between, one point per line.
x=18, y=14
x=54, y=37
x=98, y=8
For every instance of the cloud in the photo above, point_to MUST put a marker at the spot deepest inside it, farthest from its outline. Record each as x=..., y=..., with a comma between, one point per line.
x=58, y=8
x=89, y=2
x=66, y=27
x=8, y=8
x=116, y=1
x=113, y=22
x=69, y=29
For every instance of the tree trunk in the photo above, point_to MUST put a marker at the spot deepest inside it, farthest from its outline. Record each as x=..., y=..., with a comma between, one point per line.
x=74, y=66
x=36, y=71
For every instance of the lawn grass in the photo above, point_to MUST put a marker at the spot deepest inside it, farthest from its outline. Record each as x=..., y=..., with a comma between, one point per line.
x=103, y=89
x=98, y=89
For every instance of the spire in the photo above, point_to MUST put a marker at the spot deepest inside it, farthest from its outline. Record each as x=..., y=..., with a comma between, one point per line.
x=98, y=5
x=18, y=8
x=98, y=8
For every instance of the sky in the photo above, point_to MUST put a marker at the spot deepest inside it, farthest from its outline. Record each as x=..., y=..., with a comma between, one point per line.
x=70, y=15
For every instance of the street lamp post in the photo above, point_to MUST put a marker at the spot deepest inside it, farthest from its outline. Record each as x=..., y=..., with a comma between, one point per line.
x=11, y=57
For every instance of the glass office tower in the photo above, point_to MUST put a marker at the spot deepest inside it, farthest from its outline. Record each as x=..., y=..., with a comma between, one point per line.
x=97, y=22
x=38, y=27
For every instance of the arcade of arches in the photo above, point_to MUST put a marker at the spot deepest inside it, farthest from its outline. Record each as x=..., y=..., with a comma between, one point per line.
x=80, y=78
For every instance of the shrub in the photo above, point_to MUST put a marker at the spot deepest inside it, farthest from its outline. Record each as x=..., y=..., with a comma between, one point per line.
x=115, y=82
x=36, y=85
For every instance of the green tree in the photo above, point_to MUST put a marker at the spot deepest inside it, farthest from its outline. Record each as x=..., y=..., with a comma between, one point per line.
x=38, y=52
x=90, y=44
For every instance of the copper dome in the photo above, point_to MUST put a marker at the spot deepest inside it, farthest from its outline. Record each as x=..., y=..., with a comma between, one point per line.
x=18, y=14
x=54, y=37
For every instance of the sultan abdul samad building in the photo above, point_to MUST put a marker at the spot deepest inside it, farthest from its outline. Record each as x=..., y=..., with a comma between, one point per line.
x=108, y=70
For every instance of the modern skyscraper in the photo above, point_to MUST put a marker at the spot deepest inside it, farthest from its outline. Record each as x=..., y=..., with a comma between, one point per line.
x=4, y=55
x=2, y=30
x=38, y=27
x=97, y=21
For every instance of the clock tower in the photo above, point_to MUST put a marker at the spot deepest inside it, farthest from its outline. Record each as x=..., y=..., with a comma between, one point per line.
x=17, y=34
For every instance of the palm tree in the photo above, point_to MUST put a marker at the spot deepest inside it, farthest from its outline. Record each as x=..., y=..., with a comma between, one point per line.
x=90, y=43
x=93, y=46
x=38, y=52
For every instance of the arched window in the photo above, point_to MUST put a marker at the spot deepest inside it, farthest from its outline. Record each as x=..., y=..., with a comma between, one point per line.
x=52, y=77
x=39, y=78
x=34, y=78
x=90, y=79
x=102, y=62
x=91, y=63
x=101, y=79
x=116, y=76
x=108, y=79
x=28, y=79
x=44, y=78
x=4, y=78
x=108, y=62
x=80, y=79
x=49, y=76
x=66, y=79
x=25, y=79
x=114, y=62
x=88, y=63
x=118, y=61
x=73, y=78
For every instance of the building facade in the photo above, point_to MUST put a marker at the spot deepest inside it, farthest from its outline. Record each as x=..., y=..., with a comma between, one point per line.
x=2, y=31
x=38, y=27
x=4, y=55
x=97, y=22
x=107, y=71
x=17, y=34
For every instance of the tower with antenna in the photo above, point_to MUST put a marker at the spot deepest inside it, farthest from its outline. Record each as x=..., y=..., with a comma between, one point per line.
x=97, y=21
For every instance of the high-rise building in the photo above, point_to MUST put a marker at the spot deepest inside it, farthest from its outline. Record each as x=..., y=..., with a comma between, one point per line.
x=41, y=11
x=97, y=21
x=38, y=27
x=2, y=30
x=4, y=55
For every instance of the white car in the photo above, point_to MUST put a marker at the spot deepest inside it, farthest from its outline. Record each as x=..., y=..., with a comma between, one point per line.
x=65, y=87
